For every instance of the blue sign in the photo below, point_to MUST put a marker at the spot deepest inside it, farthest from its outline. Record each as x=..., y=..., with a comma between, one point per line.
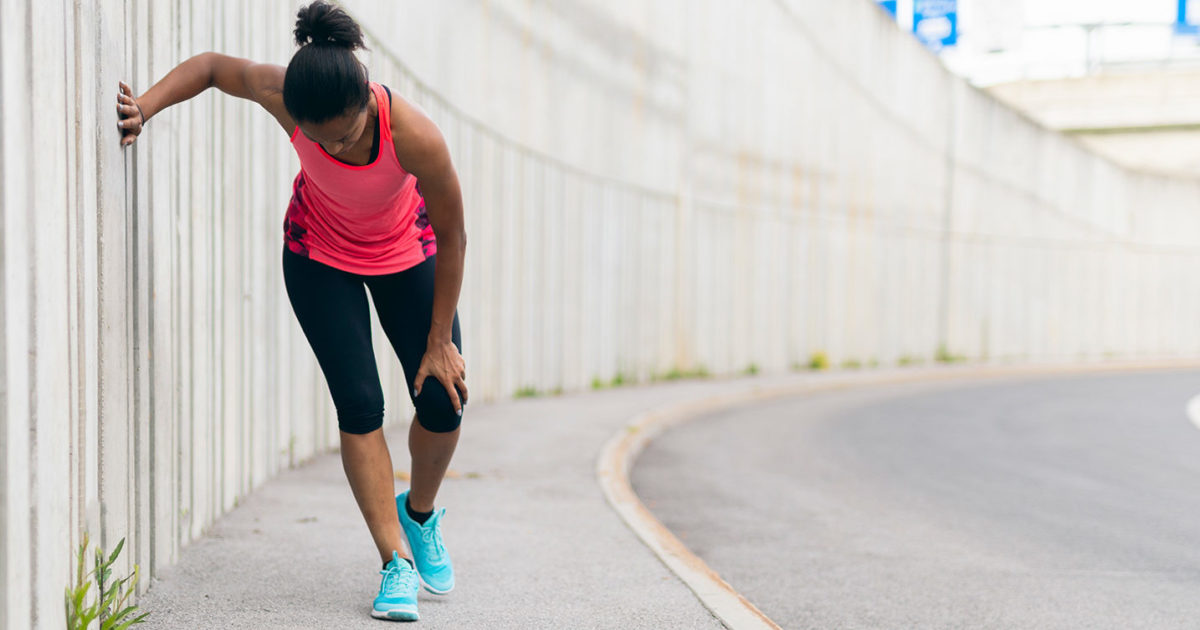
x=890, y=6
x=1187, y=11
x=935, y=22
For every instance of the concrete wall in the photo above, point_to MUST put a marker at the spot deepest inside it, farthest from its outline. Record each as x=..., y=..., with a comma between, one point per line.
x=152, y=373
x=1147, y=121
x=649, y=185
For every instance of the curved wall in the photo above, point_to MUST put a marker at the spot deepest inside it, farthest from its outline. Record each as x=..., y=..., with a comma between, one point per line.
x=650, y=186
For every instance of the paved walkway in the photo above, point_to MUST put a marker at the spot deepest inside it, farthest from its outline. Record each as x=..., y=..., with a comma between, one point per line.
x=534, y=542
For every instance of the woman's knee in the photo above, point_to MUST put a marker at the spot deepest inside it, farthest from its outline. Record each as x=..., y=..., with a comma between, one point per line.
x=435, y=410
x=359, y=407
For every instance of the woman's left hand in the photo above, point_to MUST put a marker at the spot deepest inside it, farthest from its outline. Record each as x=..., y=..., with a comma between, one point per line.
x=443, y=362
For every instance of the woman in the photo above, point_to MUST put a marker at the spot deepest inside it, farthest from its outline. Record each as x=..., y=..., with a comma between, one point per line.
x=358, y=217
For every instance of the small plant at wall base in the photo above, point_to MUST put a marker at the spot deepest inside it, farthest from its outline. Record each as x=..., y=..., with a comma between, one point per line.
x=111, y=597
x=818, y=361
x=945, y=356
x=675, y=374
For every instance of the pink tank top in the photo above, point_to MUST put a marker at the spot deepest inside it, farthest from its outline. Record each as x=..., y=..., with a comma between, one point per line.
x=369, y=219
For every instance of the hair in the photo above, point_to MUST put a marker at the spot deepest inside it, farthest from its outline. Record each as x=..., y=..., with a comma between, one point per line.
x=324, y=79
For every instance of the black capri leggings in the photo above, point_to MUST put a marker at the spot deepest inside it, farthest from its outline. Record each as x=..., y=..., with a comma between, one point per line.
x=331, y=307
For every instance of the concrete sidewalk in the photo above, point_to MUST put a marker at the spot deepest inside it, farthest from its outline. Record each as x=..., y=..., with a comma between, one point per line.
x=534, y=542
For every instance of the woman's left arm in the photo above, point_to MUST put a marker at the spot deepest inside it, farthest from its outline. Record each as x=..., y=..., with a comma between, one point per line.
x=422, y=151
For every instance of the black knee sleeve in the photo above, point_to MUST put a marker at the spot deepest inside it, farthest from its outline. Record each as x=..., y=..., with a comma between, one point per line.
x=435, y=410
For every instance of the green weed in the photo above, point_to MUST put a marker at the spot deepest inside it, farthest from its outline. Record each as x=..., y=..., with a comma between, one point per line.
x=79, y=616
x=944, y=355
x=819, y=361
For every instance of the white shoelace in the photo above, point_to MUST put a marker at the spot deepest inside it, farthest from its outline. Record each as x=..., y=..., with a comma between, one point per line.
x=429, y=536
x=397, y=580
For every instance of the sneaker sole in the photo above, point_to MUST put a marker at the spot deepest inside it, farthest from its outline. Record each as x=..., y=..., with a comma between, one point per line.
x=397, y=614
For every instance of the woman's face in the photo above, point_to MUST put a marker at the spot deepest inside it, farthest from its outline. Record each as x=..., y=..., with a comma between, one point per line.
x=337, y=134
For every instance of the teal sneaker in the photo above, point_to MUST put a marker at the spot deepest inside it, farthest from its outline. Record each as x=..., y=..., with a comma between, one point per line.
x=397, y=597
x=429, y=554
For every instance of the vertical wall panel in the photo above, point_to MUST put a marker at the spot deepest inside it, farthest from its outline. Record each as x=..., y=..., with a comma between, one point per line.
x=49, y=415
x=16, y=501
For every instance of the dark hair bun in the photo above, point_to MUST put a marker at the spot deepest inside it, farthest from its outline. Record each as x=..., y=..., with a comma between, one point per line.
x=323, y=23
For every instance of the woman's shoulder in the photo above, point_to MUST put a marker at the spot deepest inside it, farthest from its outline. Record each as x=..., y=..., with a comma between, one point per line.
x=265, y=82
x=265, y=78
x=411, y=126
x=414, y=133
x=404, y=113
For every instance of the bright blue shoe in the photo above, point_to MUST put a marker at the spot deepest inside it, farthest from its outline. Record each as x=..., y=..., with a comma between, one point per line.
x=429, y=554
x=397, y=597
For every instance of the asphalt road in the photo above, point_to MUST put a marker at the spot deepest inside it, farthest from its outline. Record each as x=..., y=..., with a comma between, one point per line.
x=1050, y=502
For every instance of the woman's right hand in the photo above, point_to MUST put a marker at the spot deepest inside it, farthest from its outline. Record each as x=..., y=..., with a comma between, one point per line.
x=131, y=116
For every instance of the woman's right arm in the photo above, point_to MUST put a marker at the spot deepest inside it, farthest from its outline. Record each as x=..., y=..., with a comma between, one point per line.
x=259, y=82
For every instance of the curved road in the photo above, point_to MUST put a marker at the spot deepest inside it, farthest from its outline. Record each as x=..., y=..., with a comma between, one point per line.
x=1062, y=502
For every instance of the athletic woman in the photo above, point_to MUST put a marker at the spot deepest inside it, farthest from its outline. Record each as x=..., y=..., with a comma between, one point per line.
x=358, y=217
